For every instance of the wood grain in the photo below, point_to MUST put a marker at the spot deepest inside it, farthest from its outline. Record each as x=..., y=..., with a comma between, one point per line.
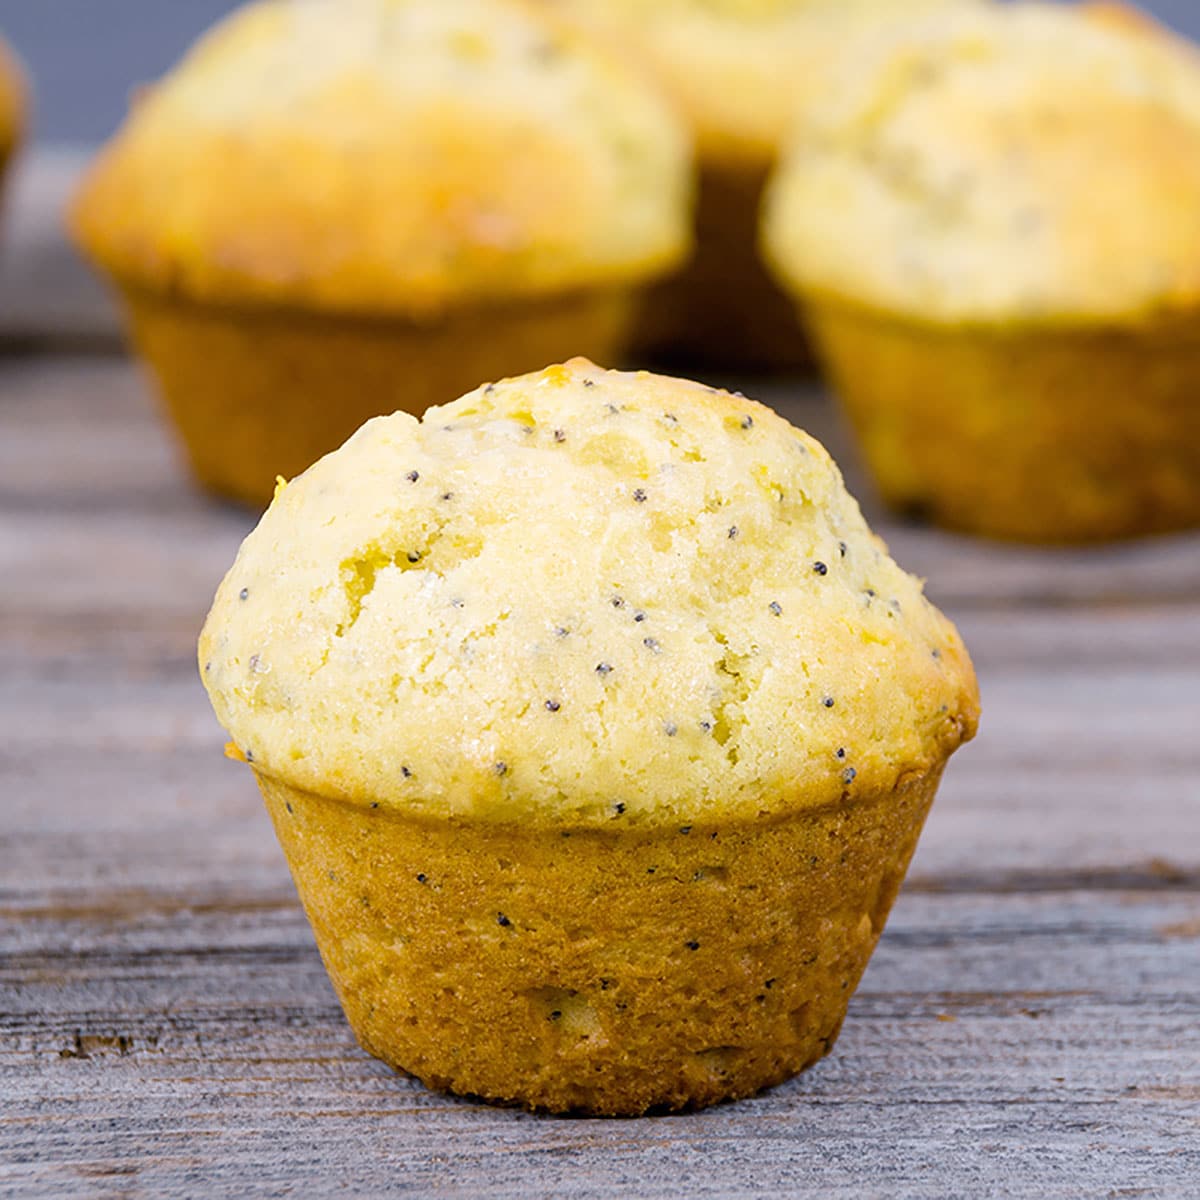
x=1028, y=1026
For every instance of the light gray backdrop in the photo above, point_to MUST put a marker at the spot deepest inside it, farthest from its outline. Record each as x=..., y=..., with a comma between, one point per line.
x=85, y=55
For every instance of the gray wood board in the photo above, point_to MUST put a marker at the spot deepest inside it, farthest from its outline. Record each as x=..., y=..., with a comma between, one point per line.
x=1029, y=1026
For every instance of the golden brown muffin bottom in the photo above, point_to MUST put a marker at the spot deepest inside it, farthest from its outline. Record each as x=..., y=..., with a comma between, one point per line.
x=723, y=309
x=257, y=393
x=1066, y=435
x=591, y=971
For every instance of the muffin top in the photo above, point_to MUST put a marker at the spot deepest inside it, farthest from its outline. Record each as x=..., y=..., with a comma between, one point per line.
x=581, y=596
x=736, y=68
x=1011, y=164
x=12, y=98
x=396, y=155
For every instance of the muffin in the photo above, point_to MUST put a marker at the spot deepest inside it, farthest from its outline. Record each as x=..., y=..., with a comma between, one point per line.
x=336, y=208
x=12, y=105
x=598, y=731
x=736, y=70
x=992, y=229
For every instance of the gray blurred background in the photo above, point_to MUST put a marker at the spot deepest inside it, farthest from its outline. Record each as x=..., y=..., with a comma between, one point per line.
x=85, y=55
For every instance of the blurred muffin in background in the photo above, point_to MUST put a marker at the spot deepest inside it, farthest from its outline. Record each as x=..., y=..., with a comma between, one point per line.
x=12, y=105
x=736, y=70
x=337, y=208
x=992, y=226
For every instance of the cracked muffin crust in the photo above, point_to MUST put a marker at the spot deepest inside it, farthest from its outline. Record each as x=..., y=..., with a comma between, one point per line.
x=608, y=596
x=598, y=730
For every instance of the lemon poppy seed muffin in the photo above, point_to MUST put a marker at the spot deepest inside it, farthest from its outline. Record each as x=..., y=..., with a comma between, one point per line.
x=736, y=70
x=598, y=731
x=334, y=208
x=992, y=226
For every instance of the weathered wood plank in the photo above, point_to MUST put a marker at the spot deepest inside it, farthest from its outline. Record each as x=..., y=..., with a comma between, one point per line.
x=1027, y=1027
x=970, y=1055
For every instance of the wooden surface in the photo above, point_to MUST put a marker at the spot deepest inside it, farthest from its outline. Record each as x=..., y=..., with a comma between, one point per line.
x=1030, y=1025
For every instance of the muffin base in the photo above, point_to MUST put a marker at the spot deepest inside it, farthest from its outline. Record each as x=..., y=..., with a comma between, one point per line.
x=257, y=393
x=723, y=309
x=1067, y=435
x=598, y=972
